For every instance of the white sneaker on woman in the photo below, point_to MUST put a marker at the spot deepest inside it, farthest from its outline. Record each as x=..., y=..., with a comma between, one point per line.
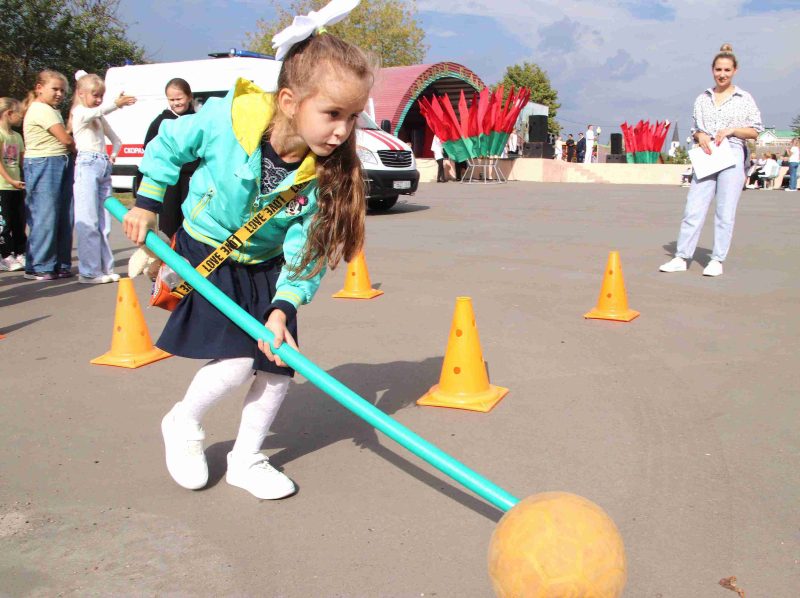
x=714, y=268
x=183, y=445
x=676, y=264
x=257, y=476
x=102, y=279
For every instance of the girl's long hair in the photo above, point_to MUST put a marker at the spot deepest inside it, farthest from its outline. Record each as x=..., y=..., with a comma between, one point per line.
x=85, y=82
x=337, y=230
x=41, y=79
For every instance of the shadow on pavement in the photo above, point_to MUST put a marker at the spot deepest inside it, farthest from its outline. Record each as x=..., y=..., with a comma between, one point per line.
x=26, y=290
x=701, y=255
x=401, y=207
x=309, y=421
x=18, y=325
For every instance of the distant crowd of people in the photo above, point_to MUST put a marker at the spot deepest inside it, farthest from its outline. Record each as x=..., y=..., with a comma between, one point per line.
x=764, y=170
x=584, y=150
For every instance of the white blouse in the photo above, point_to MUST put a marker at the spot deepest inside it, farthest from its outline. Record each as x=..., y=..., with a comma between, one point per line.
x=90, y=129
x=738, y=111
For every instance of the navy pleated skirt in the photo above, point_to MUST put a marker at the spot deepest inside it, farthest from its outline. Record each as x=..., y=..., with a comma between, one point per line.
x=196, y=329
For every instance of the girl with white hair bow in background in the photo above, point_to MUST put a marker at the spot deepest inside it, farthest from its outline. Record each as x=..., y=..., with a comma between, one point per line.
x=93, y=176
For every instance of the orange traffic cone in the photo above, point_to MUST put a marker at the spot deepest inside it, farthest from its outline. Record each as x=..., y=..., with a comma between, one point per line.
x=356, y=283
x=131, y=346
x=463, y=383
x=613, y=301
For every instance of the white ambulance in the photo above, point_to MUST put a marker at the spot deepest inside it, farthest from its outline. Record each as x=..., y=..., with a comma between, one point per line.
x=389, y=165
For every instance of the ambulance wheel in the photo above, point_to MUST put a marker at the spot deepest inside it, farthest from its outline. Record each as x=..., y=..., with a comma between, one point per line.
x=381, y=204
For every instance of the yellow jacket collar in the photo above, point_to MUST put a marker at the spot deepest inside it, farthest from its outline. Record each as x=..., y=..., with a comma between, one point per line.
x=252, y=110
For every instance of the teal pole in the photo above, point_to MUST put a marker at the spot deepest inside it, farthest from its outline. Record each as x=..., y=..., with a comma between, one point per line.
x=321, y=379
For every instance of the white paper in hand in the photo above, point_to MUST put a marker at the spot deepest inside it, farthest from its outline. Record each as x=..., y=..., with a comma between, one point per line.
x=721, y=157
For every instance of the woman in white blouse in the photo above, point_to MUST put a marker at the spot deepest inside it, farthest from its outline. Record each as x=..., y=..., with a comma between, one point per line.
x=724, y=111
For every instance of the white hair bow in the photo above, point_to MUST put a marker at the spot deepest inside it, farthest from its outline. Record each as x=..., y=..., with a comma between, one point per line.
x=79, y=74
x=304, y=26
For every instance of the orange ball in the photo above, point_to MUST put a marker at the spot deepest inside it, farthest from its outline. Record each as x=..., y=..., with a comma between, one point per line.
x=557, y=545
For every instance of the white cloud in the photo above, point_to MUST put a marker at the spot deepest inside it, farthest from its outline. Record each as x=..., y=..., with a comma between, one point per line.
x=623, y=67
x=608, y=65
x=610, y=60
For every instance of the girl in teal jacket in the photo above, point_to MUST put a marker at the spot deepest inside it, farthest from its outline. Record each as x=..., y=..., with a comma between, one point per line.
x=251, y=147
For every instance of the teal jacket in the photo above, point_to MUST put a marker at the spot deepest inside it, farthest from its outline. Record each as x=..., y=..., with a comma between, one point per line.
x=224, y=191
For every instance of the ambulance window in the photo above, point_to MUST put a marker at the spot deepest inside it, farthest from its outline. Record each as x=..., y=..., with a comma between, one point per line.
x=200, y=97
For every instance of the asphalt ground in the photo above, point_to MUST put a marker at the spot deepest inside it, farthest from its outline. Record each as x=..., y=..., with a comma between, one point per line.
x=682, y=424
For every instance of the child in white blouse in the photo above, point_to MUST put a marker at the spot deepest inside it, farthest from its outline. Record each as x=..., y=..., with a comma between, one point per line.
x=93, y=177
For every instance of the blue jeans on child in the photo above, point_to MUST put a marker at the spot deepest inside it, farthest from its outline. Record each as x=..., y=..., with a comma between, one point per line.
x=726, y=185
x=48, y=212
x=793, y=174
x=92, y=220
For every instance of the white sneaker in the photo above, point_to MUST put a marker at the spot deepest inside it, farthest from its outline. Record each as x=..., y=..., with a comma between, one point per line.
x=102, y=279
x=7, y=262
x=258, y=477
x=183, y=445
x=676, y=264
x=11, y=264
x=21, y=259
x=714, y=268
x=112, y=277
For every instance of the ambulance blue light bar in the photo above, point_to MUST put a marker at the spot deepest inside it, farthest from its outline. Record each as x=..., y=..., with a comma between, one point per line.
x=233, y=52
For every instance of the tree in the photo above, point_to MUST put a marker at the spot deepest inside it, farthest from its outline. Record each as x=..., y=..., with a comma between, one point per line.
x=62, y=35
x=386, y=27
x=796, y=125
x=532, y=76
x=681, y=156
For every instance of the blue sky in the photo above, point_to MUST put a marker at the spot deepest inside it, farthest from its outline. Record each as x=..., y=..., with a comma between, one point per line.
x=610, y=61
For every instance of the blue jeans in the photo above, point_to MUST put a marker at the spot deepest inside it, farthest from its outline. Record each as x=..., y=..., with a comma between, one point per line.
x=726, y=186
x=48, y=212
x=793, y=174
x=92, y=220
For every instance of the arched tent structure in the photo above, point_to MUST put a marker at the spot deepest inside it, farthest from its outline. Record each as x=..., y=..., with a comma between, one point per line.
x=398, y=89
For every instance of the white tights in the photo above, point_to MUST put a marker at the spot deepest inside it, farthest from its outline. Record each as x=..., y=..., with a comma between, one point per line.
x=220, y=376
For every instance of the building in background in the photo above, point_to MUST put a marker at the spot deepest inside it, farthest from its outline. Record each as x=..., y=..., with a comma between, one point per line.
x=774, y=141
x=676, y=141
x=397, y=91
